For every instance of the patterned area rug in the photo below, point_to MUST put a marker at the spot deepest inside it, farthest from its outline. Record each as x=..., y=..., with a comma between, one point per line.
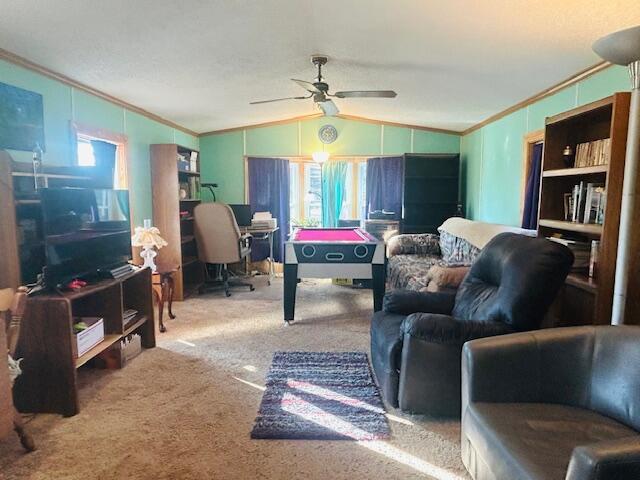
x=321, y=396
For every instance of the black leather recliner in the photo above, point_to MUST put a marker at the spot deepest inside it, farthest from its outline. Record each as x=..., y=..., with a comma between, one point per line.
x=417, y=338
x=561, y=403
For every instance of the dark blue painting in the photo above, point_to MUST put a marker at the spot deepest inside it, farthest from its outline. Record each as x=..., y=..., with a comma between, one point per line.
x=21, y=119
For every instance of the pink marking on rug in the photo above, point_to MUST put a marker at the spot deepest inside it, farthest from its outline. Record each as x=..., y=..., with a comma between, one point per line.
x=328, y=235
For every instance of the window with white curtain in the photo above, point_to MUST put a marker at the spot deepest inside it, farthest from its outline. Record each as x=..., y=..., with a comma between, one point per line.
x=305, y=191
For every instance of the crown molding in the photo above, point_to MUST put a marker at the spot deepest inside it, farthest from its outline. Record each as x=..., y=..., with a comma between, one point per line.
x=402, y=125
x=23, y=62
x=263, y=124
x=29, y=65
x=572, y=80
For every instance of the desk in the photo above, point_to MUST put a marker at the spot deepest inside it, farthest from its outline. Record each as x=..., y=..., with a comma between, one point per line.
x=332, y=253
x=264, y=234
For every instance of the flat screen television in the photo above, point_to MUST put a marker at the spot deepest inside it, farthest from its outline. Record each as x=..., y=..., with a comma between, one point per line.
x=86, y=231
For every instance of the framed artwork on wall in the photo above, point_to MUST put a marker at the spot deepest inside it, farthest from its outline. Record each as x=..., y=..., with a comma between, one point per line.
x=21, y=119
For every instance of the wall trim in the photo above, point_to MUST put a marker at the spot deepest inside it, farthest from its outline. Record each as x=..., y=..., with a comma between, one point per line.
x=401, y=125
x=572, y=80
x=344, y=117
x=34, y=67
x=29, y=65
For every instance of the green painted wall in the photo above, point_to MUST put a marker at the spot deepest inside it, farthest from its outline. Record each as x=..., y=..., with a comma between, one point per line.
x=63, y=104
x=223, y=153
x=492, y=156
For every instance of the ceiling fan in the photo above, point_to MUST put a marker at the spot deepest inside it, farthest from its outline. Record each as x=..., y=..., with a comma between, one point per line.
x=319, y=91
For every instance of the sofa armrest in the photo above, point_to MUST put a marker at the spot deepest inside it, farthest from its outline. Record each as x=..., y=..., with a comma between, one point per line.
x=609, y=460
x=448, y=330
x=406, y=302
x=407, y=244
x=500, y=369
x=549, y=366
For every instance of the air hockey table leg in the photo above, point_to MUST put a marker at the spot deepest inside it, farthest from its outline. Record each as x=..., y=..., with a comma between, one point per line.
x=290, y=284
x=378, y=281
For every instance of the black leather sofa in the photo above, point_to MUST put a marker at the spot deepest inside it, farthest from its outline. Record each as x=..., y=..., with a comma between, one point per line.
x=416, y=340
x=561, y=403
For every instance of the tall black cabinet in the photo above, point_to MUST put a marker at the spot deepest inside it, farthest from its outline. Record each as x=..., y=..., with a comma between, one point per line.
x=431, y=191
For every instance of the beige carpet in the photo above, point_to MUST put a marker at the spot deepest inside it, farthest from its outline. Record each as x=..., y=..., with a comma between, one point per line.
x=184, y=410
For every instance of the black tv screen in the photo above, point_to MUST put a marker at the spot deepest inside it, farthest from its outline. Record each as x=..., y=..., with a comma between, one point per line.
x=85, y=231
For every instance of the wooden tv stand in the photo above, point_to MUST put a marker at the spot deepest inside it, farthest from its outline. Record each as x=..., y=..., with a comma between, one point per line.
x=47, y=344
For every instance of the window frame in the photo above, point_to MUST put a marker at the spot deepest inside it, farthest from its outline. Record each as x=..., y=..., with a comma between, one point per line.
x=529, y=141
x=123, y=181
x=355, y=181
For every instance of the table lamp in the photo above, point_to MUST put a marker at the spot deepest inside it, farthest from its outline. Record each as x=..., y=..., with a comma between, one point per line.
x=148, y=238
x=623, y=48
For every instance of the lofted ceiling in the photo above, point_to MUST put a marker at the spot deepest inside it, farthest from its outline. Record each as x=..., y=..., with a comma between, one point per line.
x=199, y=63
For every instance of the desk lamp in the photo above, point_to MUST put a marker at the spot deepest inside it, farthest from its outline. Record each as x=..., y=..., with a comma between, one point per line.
x=148, y=238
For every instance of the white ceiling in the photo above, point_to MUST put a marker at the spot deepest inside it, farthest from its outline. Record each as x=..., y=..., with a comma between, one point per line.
x=200, y=62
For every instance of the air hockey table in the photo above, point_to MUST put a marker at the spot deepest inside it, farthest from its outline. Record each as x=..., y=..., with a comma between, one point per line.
x=332, y=253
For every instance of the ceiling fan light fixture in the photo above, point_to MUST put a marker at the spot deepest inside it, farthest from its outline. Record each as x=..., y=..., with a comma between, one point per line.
x=328, y=108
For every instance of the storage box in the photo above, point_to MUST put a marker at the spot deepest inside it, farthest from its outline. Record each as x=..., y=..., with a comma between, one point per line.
x=120, y=353
x=91, y=336
x=130, y=347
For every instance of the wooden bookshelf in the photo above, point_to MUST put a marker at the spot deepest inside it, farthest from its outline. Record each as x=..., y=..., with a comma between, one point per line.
x=585, y=300
x=49, y=381
x=176, y=229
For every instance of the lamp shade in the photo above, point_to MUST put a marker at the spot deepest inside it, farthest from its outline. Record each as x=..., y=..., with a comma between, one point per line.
x=622, y=47
x=320, y=157
x=148, y=237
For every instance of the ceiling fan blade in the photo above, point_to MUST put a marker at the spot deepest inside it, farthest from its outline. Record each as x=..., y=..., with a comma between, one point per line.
x=279, y=100
x=366, y=94
x=308, y=86
x=328, y=108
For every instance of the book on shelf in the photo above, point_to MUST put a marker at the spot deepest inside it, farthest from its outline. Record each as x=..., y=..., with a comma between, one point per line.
x=594, y=203
x=194, y=187
x=591, y=154
x=568, y=206
x=586, y=203
x=128, y=315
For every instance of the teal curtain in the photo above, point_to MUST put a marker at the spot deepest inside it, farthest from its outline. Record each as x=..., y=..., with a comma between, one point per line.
x=334, y=175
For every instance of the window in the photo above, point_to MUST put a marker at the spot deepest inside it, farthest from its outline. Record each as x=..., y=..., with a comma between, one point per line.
x=85, y=153
x=305, y=201
x=362, y=190
x=313, y=194
x=294, y=191
x=84, y=150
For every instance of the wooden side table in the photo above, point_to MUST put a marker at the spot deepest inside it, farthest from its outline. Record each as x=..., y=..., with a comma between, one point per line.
x=163, y=289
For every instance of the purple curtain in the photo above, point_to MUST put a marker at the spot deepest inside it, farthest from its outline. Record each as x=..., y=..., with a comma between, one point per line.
x=385, y=182
x=269, y=192
x=532, y=192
